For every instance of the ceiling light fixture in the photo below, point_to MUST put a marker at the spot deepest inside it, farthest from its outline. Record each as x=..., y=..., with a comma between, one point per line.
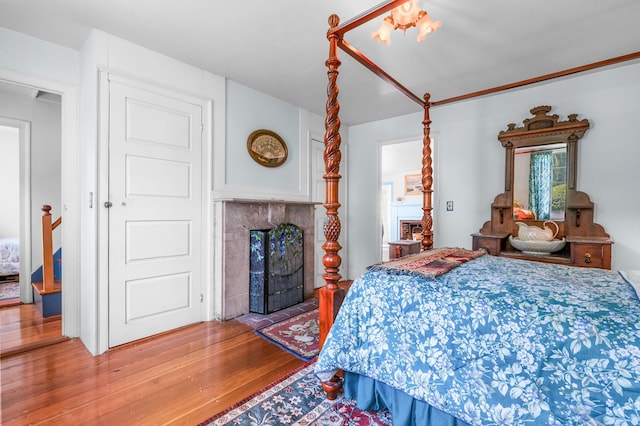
x=405, y=16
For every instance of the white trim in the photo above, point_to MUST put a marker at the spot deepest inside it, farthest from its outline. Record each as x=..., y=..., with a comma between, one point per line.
x=218, y=294
x=304, y=138
x=208, y=249
x=102, y=218
x=436, y=203
x=246, y=192
x=219, y=182
x=69, y=160
x=344, y=216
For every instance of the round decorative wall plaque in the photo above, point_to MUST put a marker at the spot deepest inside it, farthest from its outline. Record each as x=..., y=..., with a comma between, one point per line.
x=267, y=148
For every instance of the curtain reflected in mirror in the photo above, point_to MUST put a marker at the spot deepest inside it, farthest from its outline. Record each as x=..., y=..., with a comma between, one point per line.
x=540, y=182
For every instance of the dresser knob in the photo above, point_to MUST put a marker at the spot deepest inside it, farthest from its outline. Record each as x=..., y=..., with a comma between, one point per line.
x=587, y=258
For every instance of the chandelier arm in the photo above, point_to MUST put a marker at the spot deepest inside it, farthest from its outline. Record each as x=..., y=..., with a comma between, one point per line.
x=365, y=17
x=371, y=66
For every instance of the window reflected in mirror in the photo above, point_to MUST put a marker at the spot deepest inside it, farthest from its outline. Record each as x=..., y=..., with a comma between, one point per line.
x=540, y=182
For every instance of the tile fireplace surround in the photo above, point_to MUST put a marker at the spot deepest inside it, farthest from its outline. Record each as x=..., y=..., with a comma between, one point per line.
x=241, y=216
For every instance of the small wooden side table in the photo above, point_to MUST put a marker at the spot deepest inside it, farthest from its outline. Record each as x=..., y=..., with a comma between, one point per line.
x=403, y=248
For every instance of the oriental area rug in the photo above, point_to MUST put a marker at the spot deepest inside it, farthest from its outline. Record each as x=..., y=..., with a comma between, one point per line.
x=9, y=289
x=297, y=335
x=297, y=399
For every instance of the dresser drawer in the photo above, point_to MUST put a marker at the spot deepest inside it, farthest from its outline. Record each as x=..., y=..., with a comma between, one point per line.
x=493, y=246
x=587, y=255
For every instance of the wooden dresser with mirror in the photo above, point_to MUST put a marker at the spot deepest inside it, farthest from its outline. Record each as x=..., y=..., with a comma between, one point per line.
x=541, y=166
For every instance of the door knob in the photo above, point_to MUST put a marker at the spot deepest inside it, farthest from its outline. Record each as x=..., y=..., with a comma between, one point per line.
x=108, y=204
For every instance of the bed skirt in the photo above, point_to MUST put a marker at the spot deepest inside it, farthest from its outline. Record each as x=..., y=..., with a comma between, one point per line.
x=405, y=410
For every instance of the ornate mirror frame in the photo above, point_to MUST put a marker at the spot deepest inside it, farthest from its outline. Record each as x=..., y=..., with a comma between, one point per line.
x=544, y=129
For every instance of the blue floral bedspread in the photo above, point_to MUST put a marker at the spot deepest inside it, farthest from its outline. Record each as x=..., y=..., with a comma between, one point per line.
x=497, y=341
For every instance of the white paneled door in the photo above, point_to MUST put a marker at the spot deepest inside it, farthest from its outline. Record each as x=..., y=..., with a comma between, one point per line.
x=154, y=210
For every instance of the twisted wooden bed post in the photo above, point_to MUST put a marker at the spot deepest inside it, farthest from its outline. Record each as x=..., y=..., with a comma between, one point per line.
x=331, y=295
x=427, y=178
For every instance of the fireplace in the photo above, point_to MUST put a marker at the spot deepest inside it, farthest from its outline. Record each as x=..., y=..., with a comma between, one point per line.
x=276, y=268
x=236, y=219
x=410, y=227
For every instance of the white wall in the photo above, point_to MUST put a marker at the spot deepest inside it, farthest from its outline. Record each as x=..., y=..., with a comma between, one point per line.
x=28, y=55
x=249, y=110
x=471, y=160
x=9, y=178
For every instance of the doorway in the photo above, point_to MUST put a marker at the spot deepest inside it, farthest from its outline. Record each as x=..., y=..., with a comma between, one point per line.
x=10, y=213
x=46, y=94
x=400, y=162
x=34, y=116
x=25, y=188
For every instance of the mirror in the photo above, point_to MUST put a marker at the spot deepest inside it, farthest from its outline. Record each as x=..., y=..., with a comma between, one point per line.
x=540, y=182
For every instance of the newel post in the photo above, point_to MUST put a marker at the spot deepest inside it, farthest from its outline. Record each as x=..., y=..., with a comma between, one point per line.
x=47, y=250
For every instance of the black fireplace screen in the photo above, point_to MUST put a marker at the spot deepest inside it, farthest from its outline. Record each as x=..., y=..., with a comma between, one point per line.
x=276, y=268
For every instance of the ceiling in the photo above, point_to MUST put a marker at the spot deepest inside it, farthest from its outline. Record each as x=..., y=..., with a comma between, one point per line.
x=279, y=46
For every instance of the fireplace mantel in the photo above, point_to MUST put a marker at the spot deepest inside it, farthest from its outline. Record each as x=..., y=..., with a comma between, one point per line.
x=237, y=218
x=267, y=201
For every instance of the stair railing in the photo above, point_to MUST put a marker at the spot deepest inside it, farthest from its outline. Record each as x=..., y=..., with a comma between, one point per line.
x=47, y=248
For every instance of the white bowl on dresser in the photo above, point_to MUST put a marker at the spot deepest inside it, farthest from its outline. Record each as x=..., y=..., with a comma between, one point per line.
x=537, y=247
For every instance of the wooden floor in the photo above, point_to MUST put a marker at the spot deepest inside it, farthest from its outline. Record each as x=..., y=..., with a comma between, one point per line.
x=22, y=328
x=182, y=377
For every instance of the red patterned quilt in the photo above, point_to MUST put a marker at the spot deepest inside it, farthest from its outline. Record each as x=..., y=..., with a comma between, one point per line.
x=430, y=263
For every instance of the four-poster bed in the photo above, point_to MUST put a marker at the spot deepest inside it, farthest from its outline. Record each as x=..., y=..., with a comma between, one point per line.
x=453, y=336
